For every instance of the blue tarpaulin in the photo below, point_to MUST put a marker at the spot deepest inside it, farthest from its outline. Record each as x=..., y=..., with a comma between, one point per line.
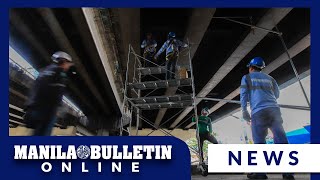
x=299, y=136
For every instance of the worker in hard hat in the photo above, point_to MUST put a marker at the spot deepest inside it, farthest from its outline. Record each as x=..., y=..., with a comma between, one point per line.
x=262, y=92
x=204, y=129
x=149, y=45
x=172, y=47
x=46, y=95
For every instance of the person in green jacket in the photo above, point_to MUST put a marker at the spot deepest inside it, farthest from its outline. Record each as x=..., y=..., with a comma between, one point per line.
x=205, y=129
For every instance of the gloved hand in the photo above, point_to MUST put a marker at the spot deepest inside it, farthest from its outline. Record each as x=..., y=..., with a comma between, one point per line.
x=155, y=59
x=246, y=115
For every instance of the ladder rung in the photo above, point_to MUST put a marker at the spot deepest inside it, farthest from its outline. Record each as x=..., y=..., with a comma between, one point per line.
x=152, y=70
x=182, y=104
x=161, y=84
x=161, y=99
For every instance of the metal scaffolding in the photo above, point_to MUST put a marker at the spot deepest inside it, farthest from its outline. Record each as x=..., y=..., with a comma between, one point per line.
x=133, y=102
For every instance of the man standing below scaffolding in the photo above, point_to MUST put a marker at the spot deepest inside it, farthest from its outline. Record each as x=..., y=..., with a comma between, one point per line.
x=204, y=129
x=46, y=95
x=149, y=45
x=262, y=92
x=172, y=47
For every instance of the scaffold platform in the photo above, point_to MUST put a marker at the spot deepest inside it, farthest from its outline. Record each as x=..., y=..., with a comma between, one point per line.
x=158, y=102
x=152, y=70
x=161, y=84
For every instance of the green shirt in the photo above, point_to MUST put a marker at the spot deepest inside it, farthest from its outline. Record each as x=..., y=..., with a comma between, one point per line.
x=204, y=124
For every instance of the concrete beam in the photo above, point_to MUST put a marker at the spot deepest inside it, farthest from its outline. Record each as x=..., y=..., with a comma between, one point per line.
x=169, y=92
x=268, y=21
x=197, y=27
x=65, y=44
x=283, y=58
x=128, y=27
x=27, y=33
x=104, y=50
x=23, y=29
x=129, y=24
x=84, y=131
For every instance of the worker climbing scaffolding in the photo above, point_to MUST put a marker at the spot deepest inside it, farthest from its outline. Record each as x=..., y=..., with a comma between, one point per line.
x=149, y=45
x=172, y=47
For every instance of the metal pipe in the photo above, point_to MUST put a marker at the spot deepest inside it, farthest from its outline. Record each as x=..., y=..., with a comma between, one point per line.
x=194, y=104
x=165, y=122
x=293, y=67
x=238, y=102
x=168, y=134
x=181, y=123
x=125, y=93
x=252, y=26
x=162, y=130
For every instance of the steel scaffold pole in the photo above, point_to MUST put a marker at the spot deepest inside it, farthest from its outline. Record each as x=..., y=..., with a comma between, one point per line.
x=293, y=67
x=194, y=104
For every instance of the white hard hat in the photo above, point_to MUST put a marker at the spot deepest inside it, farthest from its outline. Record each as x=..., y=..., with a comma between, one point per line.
x=60, y=54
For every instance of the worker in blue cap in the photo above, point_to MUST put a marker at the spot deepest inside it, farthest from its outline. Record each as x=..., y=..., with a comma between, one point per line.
x=172, y=47
x=262, y=92
x=205, y=129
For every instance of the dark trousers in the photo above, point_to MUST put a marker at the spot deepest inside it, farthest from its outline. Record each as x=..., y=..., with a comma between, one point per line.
x=41, y=120
x=148, y=56
x=269, y=118
x=206, y=136
x=171, y=68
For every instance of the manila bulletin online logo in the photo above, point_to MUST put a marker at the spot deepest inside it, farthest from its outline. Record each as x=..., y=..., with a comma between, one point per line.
x=112, y=154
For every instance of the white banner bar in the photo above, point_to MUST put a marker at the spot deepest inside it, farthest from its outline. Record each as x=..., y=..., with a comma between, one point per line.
x=268, y=158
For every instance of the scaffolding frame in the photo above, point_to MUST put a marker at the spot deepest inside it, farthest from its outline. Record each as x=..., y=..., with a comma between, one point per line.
x=147, y=102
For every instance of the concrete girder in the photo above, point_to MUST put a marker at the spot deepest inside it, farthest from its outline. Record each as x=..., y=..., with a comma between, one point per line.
x=65, y=44
x=197, y=27
x=16, y=21
x=128, y=17
x=128, y=20
x=105, y=53
x=25, y=31
x=268, y=21
x=283, y=58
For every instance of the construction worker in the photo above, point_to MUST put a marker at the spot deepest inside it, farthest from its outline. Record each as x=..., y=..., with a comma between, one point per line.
x=262, y=92
x=172, y=47
x=46, y=95
x=205, y=129
x=149, y=45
